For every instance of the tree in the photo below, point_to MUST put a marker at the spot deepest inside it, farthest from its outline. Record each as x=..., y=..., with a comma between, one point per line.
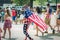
x=31, y=3
x=21, y=2
x=41, y=2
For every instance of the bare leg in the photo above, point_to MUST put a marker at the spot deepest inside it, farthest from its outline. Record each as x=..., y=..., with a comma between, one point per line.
x=26, y=38
x=36, y=31
x=46, y=31
x=55, y=26
x=16, y=21
x=20, y=21
x=9, y=33
x=4, y=34
x=58, y=28
x=41, y=31
x=0, y=35
x=51, y=27
x=53, y=30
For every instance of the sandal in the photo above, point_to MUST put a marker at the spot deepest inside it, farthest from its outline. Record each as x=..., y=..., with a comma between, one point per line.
x=53, y=31
x=31, y=39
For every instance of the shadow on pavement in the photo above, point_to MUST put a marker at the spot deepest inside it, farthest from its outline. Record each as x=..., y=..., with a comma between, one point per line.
x=57, y=34
x=11, y=39
x=48, y=36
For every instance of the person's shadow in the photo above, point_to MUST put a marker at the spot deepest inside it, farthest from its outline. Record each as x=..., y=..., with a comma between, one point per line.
x=11, y=39
x=49, y=36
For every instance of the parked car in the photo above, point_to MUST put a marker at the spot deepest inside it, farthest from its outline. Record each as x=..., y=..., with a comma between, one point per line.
x=18, y=7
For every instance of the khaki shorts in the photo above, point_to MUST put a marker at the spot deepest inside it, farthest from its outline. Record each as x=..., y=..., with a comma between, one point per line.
x=47, y=21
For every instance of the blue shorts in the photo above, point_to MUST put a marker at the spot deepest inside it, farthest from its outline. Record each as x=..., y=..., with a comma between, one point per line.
x=14, y=17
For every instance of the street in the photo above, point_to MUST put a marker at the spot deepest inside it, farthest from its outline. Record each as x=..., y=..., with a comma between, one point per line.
x=26, y=11
x=17, y=33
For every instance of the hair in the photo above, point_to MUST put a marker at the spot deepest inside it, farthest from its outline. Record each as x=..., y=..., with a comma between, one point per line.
x=8, y=13
x=48, y=4
x=38, y=10
x=26, y=5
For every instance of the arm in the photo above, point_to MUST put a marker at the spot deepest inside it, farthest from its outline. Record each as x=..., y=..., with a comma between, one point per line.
x=57, y=11
x=5, y=17
x=0, y=30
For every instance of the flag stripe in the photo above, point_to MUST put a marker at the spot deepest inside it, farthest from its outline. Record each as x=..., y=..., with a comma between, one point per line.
x=36, y=22
x=42, y=22
x=39, y=21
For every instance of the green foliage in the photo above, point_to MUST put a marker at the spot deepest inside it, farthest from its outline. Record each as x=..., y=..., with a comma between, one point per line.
x=39, y=2
x=43, y=2
x=21, y=2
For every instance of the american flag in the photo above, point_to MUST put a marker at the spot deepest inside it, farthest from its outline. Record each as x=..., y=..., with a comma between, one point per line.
x=36, y=19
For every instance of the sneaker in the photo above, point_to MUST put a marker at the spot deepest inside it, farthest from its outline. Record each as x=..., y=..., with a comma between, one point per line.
x=53, y=32
x=31, y=39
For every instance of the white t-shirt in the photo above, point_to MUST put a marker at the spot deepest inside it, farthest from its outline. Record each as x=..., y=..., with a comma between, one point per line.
x=53, y=20
x=21, y=16
x=42, y=16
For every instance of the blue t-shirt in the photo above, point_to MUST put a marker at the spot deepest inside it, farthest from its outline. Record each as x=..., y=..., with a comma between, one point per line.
x=50, y=10
x=27, y=12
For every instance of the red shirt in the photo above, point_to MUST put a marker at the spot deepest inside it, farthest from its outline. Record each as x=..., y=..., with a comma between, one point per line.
x=13, y=13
